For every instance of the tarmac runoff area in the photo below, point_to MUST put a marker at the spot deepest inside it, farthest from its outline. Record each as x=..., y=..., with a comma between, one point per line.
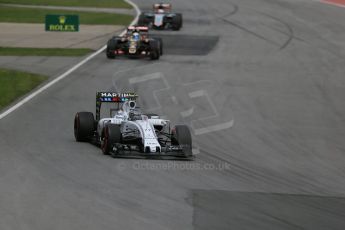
x=34, y=35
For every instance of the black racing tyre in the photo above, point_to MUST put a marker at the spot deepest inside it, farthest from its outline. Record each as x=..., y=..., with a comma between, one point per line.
x=154, y=50
x=142, y=20
x=181, y=136
x=111, y=135
x=111, y=47
x=177, y=22
x=84, y=126
x=181, y=24
x=160, y=40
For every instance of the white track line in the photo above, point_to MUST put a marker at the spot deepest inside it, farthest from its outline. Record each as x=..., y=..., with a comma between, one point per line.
x=68, y=72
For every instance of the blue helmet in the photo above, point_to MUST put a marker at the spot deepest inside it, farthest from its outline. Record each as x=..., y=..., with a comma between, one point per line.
x=136, y=36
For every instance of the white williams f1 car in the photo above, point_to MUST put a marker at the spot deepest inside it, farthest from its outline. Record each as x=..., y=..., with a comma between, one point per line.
x=129, y=132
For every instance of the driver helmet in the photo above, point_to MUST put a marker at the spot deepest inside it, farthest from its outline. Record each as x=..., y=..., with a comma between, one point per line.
x=119, y=113
x=136, y=36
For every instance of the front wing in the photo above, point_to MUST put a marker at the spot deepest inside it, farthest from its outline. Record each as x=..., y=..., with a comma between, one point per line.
x=125, y=150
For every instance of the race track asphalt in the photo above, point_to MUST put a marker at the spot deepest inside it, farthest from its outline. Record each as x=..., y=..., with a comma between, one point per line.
x=261, y=83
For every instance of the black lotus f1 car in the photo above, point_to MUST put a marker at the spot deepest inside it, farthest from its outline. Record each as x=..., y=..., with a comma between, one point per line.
x=135, y=43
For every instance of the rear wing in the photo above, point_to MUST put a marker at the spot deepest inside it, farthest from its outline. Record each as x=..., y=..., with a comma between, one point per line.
x=137, y=28
x=163, y=6
x=112, y=97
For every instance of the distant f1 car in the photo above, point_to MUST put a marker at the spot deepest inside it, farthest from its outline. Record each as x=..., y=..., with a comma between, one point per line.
x=135, y=43
x=129, y=132
x=161, y=18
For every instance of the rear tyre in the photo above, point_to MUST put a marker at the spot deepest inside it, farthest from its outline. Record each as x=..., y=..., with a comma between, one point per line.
x=111, y=135
x=181, y=136
x=154, y=50
x=111, y=47
x=84, y=126
x=177, y=22
x=160, y=41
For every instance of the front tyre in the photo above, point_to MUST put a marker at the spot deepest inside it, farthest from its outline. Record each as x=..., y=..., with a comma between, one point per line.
x=111, y=135
x=111, y=47
x=142, y=20
x=84, y=126
x=182, y=137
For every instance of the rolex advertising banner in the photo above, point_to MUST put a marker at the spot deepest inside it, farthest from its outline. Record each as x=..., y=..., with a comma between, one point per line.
x=65, y=23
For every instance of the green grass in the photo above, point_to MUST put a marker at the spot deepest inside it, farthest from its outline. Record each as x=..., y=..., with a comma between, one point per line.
x=27, y=15
x=14, y=84
x=82, y=3
x=9, y=51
